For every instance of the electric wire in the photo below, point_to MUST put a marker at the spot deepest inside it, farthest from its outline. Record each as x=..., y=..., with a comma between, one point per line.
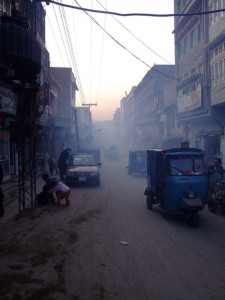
x=135, y=56
x=93, y=19
x=100, y=65
x=139, y=14
x=76, y=55
x=101, y=59
x=72, y=56
x=55, y=40
x=135, y=35
x=61, y=34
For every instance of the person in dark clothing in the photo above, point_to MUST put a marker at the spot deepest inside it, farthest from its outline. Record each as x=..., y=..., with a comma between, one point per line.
x=215, y=172
x=2, y=211
x=63, y=162
x=45, y=196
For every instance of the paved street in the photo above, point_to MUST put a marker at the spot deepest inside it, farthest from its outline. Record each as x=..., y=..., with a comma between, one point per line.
x=107, y=245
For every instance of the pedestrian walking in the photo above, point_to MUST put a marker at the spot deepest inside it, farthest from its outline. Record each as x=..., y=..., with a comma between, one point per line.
x=2, y=211
x=63, y=162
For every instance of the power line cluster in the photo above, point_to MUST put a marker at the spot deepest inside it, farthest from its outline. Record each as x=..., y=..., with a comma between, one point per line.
x=71, y=56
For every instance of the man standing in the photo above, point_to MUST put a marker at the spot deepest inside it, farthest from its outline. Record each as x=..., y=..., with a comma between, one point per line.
x=63, y=162
x=215, y=172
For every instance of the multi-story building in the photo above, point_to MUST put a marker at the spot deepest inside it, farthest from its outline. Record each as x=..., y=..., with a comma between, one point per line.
x=190, y=107
x=127, y=119
x=65, y=128
x=21, y=51
x=199, y=60
x=148, y=112
x=215, y=56
x=148, y=107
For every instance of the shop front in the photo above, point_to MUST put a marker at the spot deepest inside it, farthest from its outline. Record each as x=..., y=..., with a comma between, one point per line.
x=4, y=153
x=8, y=109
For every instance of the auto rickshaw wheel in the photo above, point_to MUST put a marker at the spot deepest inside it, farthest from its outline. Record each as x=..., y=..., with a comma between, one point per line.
x=149, y=201
x=212, y=205
x=192, y=219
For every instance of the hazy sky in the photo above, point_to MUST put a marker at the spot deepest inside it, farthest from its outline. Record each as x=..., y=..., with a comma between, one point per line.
x=109, y=57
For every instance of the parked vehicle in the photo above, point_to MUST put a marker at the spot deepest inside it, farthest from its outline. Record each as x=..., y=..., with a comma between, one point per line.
x=137, y=163
x=95, y=152
x=112, y=153
x=84, y=170
x=177, y=181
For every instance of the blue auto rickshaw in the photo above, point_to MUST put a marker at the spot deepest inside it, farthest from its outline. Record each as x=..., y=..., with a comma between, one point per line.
x=177, y=181
x=137, y=163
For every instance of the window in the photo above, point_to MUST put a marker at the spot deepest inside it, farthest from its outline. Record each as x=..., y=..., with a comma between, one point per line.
x=217, y=73
x=178, y=6
x=216, y=5
x=185, y=45
x=221, y=70
x=212, y=76
x=179, y=50
x=192, y=38
x=199, y=32
x=211, y=54
x=184, y=166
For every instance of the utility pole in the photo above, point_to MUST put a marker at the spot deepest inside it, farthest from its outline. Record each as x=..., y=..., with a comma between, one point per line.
x=89, y=105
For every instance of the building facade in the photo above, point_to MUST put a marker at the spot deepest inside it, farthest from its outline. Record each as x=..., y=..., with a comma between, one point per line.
x=189, y=107
x=22, y=39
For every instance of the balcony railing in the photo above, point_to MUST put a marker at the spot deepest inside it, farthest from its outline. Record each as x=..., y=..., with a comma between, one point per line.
x=19, y=49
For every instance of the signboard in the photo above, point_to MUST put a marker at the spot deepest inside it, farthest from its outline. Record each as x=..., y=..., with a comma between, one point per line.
x=8, y=102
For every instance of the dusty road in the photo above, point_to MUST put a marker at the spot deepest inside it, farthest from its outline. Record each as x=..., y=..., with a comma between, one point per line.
x=76, y=252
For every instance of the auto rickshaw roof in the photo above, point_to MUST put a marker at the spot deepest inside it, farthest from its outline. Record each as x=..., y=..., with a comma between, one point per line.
x=178, y=151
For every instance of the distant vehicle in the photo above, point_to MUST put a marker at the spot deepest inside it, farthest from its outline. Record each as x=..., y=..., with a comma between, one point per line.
x=95, y=152
x=137, y=163
x=83, y=170
x=113, y=153
x=177, y=181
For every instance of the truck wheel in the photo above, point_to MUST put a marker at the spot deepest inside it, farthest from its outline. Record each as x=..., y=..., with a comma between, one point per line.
x=212, y=205
x=149, y=201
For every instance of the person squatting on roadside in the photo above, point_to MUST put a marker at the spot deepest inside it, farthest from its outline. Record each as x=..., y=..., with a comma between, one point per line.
x=63, y=162
x=2, y=211
x=45, y=196
x=215, y=172
x=62, y=191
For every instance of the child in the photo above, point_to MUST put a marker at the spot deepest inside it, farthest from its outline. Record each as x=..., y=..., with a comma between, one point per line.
x=62, y=191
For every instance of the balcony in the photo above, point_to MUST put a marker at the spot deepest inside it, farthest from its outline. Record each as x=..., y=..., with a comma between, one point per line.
x=19, y=52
